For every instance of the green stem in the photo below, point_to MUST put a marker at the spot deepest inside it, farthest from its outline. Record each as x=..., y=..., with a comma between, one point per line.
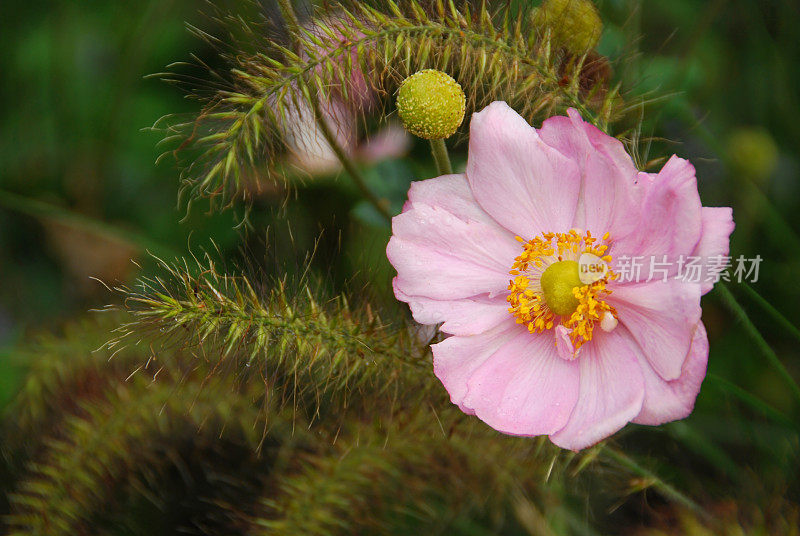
x=346, y=162
x=665, y=489
x=751, y=400
x=632, y=34
x=293, y=24
x=730, y=302
x=439, y=150
x=442, y=158
x=773, y=312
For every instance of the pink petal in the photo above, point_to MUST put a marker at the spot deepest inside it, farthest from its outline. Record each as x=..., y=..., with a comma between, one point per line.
x=661, y=317
x=523, y=183
x=715, y=239
x=523, y=388
x=564, y=345
x=570, y=134
x=456, y=358
x=309, y=149
x=607, y=173
x=335, y=39
x=445, y=247
x=467, y=316
x=670, y=401
x=611, y=391
x=670, y=214
x=390, y=142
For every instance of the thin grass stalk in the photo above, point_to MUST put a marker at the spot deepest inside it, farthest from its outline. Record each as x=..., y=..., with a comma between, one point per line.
x=771, y=310
x=738, y=311
x=347, y=163
x=665, y=489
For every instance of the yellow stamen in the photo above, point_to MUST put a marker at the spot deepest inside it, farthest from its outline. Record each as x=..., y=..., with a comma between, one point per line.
x=546, y=288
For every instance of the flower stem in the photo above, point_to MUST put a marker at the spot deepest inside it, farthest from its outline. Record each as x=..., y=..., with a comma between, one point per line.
x=439, y=150
x=293, y=24
x=347, y=163
x=440, y=154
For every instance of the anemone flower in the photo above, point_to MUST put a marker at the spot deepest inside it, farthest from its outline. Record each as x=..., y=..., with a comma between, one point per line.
x=341, y=110
x=521, y=261
x=311, y=153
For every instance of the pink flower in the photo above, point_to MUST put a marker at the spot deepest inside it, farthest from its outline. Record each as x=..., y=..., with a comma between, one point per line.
x=309, y=151
x=494, y=255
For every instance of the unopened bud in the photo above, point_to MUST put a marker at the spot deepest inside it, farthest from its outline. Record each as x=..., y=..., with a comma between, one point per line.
x=573, y=24
x=753, y=153
x=431, y=104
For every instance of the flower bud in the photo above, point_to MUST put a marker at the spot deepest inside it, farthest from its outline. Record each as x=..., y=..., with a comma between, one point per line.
x=753, y=153
x=431, y=104
x=573, y=24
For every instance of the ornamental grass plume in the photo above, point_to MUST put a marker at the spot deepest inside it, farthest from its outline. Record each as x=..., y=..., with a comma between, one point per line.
x=341, y=109
x=494, y=255
x=495, y=52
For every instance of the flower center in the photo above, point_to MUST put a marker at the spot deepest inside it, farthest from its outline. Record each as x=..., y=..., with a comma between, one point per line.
x=547, y=288
x=558, y=282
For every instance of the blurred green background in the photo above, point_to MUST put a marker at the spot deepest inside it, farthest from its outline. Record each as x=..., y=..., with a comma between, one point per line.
x=81, y=195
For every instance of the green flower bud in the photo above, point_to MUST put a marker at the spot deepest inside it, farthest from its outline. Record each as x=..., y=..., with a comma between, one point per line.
x=431, y=104
x=753, y=153
x=573, y=24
